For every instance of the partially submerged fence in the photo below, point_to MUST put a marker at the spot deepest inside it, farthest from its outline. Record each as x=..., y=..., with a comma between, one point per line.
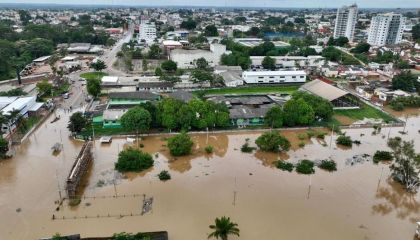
x=79, y=169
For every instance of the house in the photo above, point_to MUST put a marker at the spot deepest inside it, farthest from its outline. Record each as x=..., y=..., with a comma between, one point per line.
x=160, y=86
x=169, y=45
x=186, y=58
x=365, y=91
x=41, y=60
x=24, y=106
x=339, y=98
x=330, y=71
x=246, y=110
x=386, y=95
x=232, y=75
x=272, y=77
x=120, y=100
x=181, y=95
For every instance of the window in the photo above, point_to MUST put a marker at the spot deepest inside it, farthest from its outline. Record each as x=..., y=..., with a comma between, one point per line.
x=260, y=77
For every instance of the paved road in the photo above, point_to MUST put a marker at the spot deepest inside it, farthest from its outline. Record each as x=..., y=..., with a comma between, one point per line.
x=110, y=56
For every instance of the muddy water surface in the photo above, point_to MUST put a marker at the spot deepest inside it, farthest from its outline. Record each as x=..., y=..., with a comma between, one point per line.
x=356, y=202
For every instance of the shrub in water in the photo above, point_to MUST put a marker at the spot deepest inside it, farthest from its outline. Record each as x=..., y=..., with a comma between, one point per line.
x=344, y=140
x=305, y=167
x=164, y=175
x=328, y=165
x=301, y=144
x=272, y=142
x=382, y=156
x=285, y=166
x=133, y=160
x=321, y=135
x=208, y=149
x=180, y=144
x=246, y=148
x=357, y=142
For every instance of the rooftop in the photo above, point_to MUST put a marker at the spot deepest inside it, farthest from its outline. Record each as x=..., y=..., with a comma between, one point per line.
x=323, y=89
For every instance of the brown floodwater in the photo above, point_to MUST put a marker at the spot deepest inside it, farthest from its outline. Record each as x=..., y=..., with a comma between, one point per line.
x=356, y=202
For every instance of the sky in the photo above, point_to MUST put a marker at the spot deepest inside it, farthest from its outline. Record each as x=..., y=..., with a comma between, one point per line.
x=241, y=3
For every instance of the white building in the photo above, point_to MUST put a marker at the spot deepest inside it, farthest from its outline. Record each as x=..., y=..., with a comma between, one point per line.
x=262, y=77
x=345, y=22
x=386, y=29
x=147, y=33
x=291, y=61
x=187, y=58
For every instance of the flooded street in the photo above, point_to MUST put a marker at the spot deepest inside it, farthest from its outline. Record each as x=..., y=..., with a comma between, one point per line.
x=356, y=202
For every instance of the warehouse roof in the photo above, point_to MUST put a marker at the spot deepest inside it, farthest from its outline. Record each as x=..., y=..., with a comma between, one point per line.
x=323, y=89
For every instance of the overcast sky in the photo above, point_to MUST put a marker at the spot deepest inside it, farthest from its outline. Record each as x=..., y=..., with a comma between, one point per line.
x=241, y=3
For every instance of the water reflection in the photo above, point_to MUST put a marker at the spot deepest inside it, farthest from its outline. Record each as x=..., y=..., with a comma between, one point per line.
x=394, y=198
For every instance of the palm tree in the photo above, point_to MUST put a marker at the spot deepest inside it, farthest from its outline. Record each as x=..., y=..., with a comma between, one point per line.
x=223, y=228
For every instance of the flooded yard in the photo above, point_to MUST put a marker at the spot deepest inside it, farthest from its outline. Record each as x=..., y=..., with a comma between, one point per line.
x=356, y=202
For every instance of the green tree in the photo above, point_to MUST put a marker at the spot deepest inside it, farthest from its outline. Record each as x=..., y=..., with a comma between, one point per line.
x=98, y=66
x=189, y=24
x=362, y=47
x=416, y=32
x=199, y=75
x=77, y=122
x=167, y=113
x=154, y=51
x=223, y=227
x=297, y=113
x=405, y=81
x=133, y=160
x=4, y=147
x=201, y=63
x=94, y=87
x=323, y=109
x=44, y=87
x=274, y=117
x=158, y=71
x=406, y=165
x=136, y=119
x=272, y=142
x=269, y=63
x=169, y=66
x=180, y=144
x=211, y=31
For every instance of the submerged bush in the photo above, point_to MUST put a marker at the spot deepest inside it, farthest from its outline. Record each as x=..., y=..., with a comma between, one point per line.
x=344, y=140
x=246, y=148
x=209, y=149
x=164, y=175
x=133, y=160
x=382, y=156
x=305, y=167
x=320, y=135
x=329, y=165
x=180, y=144
x=272, y=142
x=285, y=166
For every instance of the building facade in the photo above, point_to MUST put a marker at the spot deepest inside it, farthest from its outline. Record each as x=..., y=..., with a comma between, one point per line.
x=386, y=29
x=345, y=22
x=147, y=32
x=273, y=77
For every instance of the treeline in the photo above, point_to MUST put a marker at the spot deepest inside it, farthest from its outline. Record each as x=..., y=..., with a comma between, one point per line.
x=19, y=49
x=197, y=114
x=303, y=109
x=240, y=55
x=400, y=103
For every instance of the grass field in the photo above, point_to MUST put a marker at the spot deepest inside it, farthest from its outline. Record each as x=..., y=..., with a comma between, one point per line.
x=93, y=75
x=365, y=111
x=249, y=90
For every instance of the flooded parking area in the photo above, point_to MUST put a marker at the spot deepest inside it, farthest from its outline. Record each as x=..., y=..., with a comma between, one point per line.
x=358, y=201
